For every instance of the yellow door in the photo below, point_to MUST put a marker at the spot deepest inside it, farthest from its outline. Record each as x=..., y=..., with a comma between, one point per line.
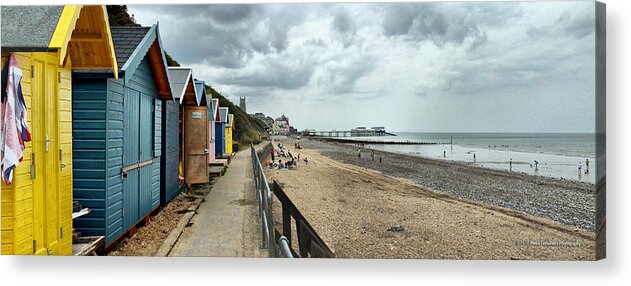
x=45, y=130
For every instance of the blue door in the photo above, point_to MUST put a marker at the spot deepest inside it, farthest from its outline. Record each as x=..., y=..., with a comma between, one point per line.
x=146, y=152
x=131, y=157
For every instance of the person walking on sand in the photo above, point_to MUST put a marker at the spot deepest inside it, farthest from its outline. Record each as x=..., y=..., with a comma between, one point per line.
x=536, y=165
x=510, y=164
x=379, y=159
x=359, y=153
x=474, y=157
x=444, y=154
x=580, y=166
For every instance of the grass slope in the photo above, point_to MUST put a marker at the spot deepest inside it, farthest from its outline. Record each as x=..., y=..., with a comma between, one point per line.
x=247, y=129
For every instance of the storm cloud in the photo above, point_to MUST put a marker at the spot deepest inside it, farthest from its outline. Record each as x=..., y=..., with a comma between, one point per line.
x=427, y=66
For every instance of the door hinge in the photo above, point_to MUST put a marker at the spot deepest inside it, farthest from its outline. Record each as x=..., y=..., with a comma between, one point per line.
x=32, y=71
x=33, y=167
x=34, y=245
x=61, y=162
x=61, y=232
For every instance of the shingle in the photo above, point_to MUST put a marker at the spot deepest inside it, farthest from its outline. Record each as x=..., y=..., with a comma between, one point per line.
x=126, y=40
x=28, y=26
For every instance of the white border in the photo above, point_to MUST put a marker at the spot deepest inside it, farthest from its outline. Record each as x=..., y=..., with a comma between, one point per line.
x=110, y=271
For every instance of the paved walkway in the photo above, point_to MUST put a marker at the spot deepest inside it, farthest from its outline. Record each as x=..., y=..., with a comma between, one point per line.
x=227, y=222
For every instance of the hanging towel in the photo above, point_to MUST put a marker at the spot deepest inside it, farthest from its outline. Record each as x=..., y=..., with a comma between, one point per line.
x=15, y=131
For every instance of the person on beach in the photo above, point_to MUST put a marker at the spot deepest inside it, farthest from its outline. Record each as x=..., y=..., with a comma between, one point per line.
x=359, y=153
x=444, y=154
x=273, y=159
x=474, y=157
x=536, y=165
x=580, y=166
x=510, y=164
x=586, y=166
x=306, y=161
x=379, y=159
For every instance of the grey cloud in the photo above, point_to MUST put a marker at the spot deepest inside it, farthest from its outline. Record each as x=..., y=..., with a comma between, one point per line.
x=225, y=35
x=273, y=74
x=230, y=14
x=398, y=19
x=433, y=22
x=346, y=28
x=577, y=25
x=343, y=23
x=341, y=77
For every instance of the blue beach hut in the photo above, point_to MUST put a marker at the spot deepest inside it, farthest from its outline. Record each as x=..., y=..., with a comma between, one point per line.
x=220, y=131
x=117, y=135
x=213, y=116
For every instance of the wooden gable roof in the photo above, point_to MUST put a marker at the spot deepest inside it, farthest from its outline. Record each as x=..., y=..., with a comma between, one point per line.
x=200, y=87
x=215, y=108
x=183, y=85
x=81, y=32
x=141, y=42
x=223, y=114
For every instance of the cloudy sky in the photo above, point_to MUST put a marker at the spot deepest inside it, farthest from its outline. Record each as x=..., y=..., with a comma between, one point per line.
x=443, y=66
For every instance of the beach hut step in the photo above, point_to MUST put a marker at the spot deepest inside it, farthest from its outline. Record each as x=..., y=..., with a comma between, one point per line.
x=219, y=162
x=215, y=171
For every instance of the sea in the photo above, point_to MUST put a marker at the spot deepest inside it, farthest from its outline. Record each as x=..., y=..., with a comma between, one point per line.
x=545, y=154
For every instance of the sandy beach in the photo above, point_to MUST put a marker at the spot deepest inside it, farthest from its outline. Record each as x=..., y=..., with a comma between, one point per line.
x=352, y=206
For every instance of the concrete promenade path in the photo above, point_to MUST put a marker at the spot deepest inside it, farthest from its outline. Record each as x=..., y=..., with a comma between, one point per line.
x=227, y=222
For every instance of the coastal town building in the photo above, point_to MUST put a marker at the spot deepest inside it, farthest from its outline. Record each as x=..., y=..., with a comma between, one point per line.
x=281, y=125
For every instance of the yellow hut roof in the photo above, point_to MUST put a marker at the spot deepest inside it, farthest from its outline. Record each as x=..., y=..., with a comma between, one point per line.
x=79, y=31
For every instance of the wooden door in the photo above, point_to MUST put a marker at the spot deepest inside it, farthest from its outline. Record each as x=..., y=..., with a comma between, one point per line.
x=146, y=153
x=196, y=144
x=45, y=144
x=131, y=157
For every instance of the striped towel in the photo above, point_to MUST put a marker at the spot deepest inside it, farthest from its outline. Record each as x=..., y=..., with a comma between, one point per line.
x=15, y=131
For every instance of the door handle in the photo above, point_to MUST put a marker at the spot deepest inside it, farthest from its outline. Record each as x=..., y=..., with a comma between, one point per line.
x=48, y=140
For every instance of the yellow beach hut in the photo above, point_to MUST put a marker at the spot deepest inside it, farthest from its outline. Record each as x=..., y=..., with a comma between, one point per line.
x=48, y=42
x=229, y=127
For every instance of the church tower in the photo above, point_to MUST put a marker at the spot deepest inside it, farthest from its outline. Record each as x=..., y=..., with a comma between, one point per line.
x=242, y=103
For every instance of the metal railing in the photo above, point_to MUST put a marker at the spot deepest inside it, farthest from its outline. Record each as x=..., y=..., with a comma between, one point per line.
x=265, y=198
x=279, y=244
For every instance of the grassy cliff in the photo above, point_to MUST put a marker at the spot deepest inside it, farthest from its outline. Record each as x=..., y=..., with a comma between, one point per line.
x=247, y=129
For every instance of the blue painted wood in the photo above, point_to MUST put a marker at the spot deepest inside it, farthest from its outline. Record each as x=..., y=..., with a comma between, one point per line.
x=115, y=126
x=88, y=162
x=114, y=192
x=170, y=151
x=220, y=134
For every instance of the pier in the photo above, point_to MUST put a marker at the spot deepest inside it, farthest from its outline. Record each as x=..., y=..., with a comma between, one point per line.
x=357, y=132
x=369, y=141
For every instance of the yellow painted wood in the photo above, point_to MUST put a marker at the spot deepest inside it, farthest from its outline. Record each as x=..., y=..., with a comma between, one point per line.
x=63, y=31
x=40, y=210
x=78, y=22
x=229, y=134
